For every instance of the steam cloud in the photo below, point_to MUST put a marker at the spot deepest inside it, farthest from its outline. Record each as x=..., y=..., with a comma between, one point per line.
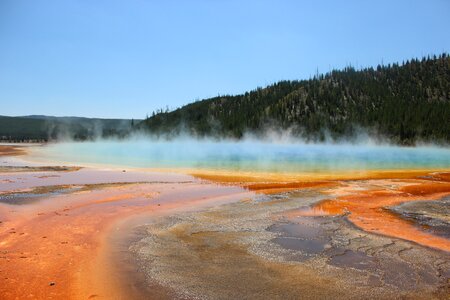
x=276, y=151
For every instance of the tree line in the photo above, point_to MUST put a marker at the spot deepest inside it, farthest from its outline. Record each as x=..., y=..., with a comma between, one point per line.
x=404, y=103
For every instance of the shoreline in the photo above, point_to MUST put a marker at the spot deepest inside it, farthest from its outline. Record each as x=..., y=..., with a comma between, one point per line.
x=246, y=178
x=34, y=225
x=110, y=215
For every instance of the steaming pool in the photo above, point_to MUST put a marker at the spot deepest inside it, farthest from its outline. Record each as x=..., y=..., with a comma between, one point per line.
x=244, y=156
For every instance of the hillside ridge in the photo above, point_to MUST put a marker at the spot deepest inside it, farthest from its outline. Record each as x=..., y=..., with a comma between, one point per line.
x=403, y=103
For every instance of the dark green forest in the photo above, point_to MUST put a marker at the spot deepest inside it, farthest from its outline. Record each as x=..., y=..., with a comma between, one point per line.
x=45, y=128
x=403, y=103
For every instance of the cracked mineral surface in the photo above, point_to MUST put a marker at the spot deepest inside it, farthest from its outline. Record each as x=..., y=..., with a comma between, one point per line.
x=260, y=249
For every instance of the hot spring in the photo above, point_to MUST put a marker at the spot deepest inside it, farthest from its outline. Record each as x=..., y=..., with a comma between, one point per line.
x=253, y=156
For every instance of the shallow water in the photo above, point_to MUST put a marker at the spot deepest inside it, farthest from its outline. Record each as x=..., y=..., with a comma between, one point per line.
x=246, y=156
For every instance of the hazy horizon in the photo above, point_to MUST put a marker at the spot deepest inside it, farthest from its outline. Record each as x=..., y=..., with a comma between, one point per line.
x=357, y=68
x=124, y=60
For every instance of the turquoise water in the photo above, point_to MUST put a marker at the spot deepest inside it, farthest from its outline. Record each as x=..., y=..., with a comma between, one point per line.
x=246, y=156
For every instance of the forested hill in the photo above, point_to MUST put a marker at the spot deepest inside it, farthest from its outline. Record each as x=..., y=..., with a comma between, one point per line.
x=44, y=128
x=402, y=102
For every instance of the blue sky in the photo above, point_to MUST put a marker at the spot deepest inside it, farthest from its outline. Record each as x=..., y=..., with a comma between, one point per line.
x=127, y=58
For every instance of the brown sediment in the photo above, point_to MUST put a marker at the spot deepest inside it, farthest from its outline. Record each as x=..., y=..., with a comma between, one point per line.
x=9, y=150
x=35, y=194
x=15, y=150
x=369, y=209
x=14, y=169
